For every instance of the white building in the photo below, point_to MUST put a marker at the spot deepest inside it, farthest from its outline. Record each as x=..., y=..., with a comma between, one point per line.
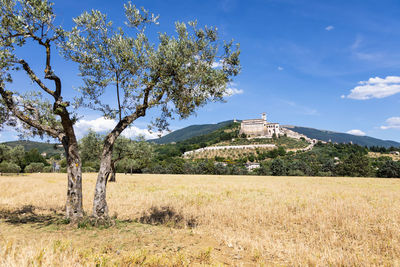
x=259, y=128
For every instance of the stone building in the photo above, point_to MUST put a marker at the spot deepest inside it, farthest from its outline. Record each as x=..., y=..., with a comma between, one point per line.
x=259, y=128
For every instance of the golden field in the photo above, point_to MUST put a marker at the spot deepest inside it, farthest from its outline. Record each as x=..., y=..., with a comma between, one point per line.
x=219, y=220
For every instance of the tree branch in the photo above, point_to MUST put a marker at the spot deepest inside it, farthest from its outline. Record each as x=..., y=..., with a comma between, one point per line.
x=8, y=99
x=49, y=74
x=34, y=77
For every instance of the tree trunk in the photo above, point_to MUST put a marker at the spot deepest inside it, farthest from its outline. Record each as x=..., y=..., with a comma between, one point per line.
x=113, y=173
x=74, y=205
x=100, y=208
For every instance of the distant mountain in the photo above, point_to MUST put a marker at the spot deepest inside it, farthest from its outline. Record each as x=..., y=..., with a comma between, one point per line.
x=336, y=137
x=323, y=135
x=49, y=149
x=189, y=132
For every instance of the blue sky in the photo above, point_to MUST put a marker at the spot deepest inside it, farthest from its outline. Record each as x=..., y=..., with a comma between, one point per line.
x=332, y=65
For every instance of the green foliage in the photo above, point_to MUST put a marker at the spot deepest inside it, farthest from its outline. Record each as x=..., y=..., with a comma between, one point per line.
x=88, y=169
x=132, y=156
x=33, y=156
x=47, y=169
x=278, y=167
x=227, y=132
x=389, y=169
x=22, y=22
x=355, y=164
x=175, y=74
x=9, y=167
x=90, y=149
x=190, y=132
x=51, y=149
x=180, y=166
x=335, y=137
x=34, y=167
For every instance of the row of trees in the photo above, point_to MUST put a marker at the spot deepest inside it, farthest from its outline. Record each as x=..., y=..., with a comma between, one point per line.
x=355, y=165
x=174, y=75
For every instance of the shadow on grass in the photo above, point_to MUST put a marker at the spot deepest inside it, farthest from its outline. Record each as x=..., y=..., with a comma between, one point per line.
x=27, y=215
x=166, y=216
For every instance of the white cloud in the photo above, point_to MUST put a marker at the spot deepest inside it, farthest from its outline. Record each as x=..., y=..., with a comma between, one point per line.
x=280, y=68
x=356, y=132
x=134, y=131
x=103, y=125
x=376, y=88
x=392, y=123
x=329, y=28
x=233, y=91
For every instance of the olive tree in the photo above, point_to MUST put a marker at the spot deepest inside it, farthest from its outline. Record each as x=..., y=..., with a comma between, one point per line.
x=130, y=154
x=174, y=75
x=42, y=111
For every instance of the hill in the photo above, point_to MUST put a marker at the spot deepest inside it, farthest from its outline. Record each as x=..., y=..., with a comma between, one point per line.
x=48, y=148
x=323, y=135
x=189, y=132
x=336, y=137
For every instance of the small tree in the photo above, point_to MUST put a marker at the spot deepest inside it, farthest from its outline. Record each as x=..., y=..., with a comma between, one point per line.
x=32, y=22
x=174, y=76
x=131, y=155
x=90, y=149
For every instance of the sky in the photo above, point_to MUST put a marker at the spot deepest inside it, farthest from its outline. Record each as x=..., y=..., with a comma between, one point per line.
x=331, y=65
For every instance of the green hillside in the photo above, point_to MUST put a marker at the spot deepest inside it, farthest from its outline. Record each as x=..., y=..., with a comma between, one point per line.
x=335, y=137
x=48, y=148
x=189, y=132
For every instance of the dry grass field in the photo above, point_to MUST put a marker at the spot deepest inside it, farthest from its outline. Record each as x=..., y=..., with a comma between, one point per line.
x=216, y=220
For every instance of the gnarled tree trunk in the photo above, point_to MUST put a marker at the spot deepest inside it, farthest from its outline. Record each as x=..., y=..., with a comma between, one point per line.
x=74, y=205
x=100, y=208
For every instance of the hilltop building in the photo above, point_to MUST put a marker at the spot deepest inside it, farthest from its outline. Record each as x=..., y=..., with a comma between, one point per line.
x=259, y=128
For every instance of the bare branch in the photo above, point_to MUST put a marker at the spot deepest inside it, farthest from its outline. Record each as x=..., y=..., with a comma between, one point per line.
x=34, y=77
x=49, y=74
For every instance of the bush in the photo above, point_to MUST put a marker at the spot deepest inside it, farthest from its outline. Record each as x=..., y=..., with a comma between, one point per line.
x=34, y=167
x=48, y=169
x=8, y=167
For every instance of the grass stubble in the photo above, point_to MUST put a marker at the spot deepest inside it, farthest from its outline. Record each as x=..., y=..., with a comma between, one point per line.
x=211, y=220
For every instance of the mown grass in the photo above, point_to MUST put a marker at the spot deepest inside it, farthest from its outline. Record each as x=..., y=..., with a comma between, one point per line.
x=180, y=220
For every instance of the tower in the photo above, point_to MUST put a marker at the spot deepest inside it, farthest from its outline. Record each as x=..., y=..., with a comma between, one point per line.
x=264, y=116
